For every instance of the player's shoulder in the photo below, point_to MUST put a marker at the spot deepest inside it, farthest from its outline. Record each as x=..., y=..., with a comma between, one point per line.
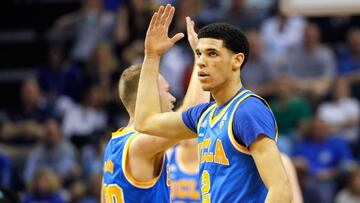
x=199, y=109
x=204, y=106
x=253, y=101
x=253, y=105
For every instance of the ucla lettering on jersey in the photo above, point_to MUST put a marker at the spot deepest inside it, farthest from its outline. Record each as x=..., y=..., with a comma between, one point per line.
x=184, y=184
x=227, y=171
x=119, y=186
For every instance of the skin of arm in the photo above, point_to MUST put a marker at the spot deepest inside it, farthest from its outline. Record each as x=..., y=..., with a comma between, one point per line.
x=147, y=151
x=268, y=162
x=291, y=172
x=148, y=116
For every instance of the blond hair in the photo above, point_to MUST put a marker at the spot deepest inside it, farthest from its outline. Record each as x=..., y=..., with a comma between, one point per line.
x=50, y=176
x=128, y=86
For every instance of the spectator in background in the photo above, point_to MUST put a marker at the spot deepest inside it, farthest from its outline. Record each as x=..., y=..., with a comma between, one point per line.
x=94, y=185
x=349, y=60
x=59, y=76
x=5, y=172
x=281, y=34
x=342, y=112
x=310, y=189
x=90, y=25
x=325, y=156
x=211, y=11
x=93, y=155
x=54, y=153
x=312, y=66
x=350, y=194
x=44, y=187
x=178, y=61
x=290, y=110
x=244, y=17
x=26, y=123
x=131, y=22
x=258, y=74
x=102, y=69
x=77, y=191
x=82, y=122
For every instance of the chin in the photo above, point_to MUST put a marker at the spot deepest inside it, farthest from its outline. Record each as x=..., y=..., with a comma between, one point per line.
x=206, y=88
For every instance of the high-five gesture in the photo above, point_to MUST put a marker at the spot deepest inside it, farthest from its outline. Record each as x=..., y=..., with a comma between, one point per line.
x=192, y=35
x=157, y=40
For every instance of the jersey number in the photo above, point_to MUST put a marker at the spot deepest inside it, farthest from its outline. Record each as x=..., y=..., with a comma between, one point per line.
x=113, y=193
x=205, y=187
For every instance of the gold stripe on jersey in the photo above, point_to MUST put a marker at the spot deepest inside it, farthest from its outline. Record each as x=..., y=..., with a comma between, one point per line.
x=263, y=100
x=121, y=132
x=237, y=146
x=203, y=115
x=132, y=180
x=215, y=119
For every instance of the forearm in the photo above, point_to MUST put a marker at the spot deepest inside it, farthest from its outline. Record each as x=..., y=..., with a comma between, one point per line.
x=279, y=194
x=147, y=92
x=194, y=94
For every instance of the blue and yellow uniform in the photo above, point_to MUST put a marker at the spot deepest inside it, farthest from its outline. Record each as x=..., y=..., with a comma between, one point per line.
x=184, y=184
x=227, y=170
x=119, y=186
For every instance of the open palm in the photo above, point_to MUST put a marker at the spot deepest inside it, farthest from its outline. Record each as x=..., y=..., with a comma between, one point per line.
x=157, y=40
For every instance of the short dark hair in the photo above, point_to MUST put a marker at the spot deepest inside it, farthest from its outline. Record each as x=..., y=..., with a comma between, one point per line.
x=128, y=85
x=233, y=38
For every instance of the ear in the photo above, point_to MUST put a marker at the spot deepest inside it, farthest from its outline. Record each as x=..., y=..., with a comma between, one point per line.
x=236, y=61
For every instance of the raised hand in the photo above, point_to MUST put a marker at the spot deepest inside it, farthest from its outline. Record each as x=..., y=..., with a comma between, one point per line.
x=192, y=35
x=157, y=40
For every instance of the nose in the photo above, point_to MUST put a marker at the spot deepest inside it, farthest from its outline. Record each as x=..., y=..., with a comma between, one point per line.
x=172, y=98
x=200, y=61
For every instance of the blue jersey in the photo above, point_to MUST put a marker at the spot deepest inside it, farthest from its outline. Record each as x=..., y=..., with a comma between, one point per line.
x=184, y=184
x=119, y=186
x=227, y=170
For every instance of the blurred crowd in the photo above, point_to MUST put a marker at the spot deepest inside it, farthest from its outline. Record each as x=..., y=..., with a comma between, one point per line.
x=308, y=69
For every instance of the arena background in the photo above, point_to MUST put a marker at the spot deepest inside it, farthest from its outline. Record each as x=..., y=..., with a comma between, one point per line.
x=60, y=61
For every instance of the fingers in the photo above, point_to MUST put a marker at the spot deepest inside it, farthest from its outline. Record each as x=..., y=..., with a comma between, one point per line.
x=165, y=14
x=190, y=24
x=177, y=37
x=170, y=17
x=159, y=15
x=153, y=21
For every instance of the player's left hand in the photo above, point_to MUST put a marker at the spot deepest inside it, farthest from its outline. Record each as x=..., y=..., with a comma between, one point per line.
x=192, y=35
x=157, y=41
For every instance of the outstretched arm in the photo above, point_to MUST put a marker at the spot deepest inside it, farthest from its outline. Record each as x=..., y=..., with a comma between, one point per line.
x=148, y=116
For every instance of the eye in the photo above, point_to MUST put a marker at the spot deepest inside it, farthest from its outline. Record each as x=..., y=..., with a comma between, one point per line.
x=198, y=54
x=212, y=54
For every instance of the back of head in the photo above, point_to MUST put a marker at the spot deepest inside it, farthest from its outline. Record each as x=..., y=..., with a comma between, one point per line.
x=128, y=85
x=233, y=38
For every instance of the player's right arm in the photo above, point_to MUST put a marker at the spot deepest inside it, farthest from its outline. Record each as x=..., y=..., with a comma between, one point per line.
x=148, y=116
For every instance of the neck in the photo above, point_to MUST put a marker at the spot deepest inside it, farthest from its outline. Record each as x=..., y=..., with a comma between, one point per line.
x=130, y=123
x=224, y=93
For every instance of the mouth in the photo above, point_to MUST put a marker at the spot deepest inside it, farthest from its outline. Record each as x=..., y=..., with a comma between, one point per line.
x=203, y=76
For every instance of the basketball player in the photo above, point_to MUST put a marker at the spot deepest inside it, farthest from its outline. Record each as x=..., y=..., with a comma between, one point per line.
x=239, y=159
x=135, y=167
x=184, y=172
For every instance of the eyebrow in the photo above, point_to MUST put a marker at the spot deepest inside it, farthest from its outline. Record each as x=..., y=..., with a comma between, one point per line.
x=209, y=49
x=212, y=49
